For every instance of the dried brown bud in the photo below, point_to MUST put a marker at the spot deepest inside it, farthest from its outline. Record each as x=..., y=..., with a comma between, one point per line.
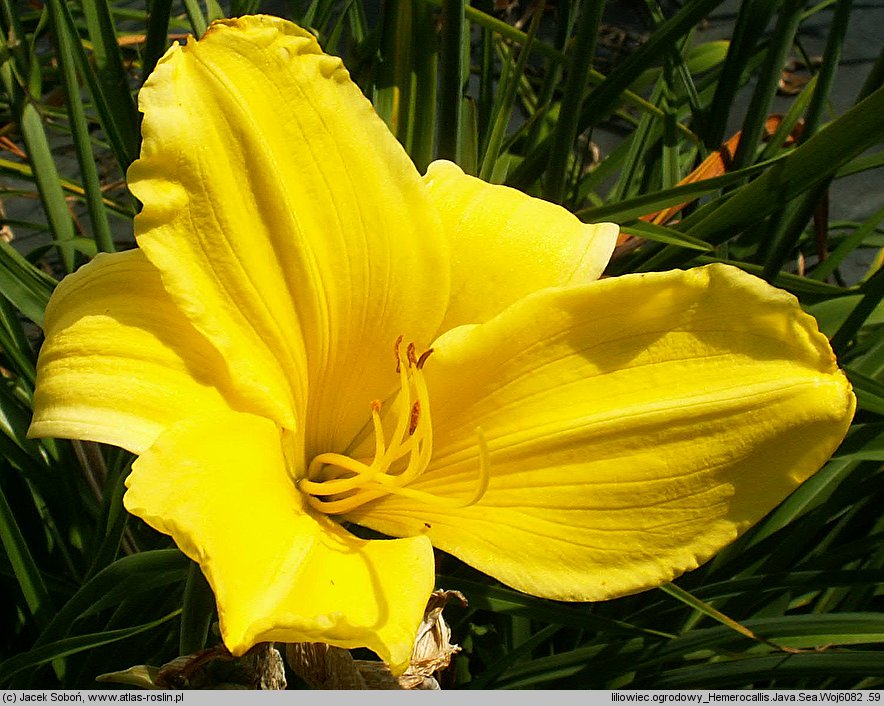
x=324, y=667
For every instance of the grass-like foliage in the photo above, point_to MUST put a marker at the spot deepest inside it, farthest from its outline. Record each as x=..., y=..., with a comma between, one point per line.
x=511, y=96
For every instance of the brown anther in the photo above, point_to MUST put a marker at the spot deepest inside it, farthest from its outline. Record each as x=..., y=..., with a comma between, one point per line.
x=396, y=351
x=423, y=359
x=411, y=354
x=415, y=417
x=375, y=405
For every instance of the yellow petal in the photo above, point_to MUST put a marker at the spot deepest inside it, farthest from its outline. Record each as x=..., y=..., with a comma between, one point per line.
x=635, y=425
x=287, y=221
x=219, y=486
x=120, y=363
x=506, y=244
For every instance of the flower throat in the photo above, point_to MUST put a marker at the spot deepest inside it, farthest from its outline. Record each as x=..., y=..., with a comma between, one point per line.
x=336, y=484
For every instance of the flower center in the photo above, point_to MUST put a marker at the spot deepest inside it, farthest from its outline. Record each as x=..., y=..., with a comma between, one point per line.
x=336, y=484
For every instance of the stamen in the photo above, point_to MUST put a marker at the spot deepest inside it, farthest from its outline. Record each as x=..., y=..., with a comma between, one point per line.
x=362, y=474
x=417, y=464
x=484, y=469
x=404, y=418
x=336, y=484
x=415, y=417
x=423, y=359
x=396, y=352
x=342, y=507
x=478, y=493
x=348, y=504
x=379, y=443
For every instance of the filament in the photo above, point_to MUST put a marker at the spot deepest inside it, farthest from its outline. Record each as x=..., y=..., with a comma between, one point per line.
x=336, y=484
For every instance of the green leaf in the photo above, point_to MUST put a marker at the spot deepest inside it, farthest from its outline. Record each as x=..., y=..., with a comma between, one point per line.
x=661, y=234
x=451, y=78
x=72, y=645
x=869, y=392
x=141, y=573
x=702, y=607
x=849, y=244
x=629, y=209
x=719, y=675
x=604, y=98
x=15, y=343
x=577, y=74
x=864, y=442
x=27, y=574
x=504, y=600
x=48, y=183
x=157, y=35
x=392, y=83
x=195, y=16
x=862, y=164
x=426, y=60
x=793, y=631
x=65, y=40
x=873, y=293
x=812, y=163
x=26, y=287
x=197, y=611
x=698, y=59
x=505, y=101
x=111, y=88
x=779, y=44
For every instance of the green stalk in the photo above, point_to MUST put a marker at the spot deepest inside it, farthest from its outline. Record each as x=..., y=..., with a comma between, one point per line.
x=112, y=79
x=196, y=612
x=25, y=286
x=487, y=87
x=565, y=131
x=850, y=243
x=612, y=90
x=751, y=16
x=812, y=163
x=874, y=80
x=503, y=106
x=392, y=93
x=28, y=576
x=157, y=35
x=505, y=30
x=426, y=60
x=669, y=164
x=631, y=172
x=15, y=344
x=788, y=226
x=48, y=182
x=768, y=78
x=451, y=78
x=121, y=136
x=873, y=293
x=43, y=169
x=195, y=16
x=80, y=129
x=826, y=76
x=14, y=43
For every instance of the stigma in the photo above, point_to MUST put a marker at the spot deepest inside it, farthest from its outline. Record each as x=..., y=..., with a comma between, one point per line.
x=336, y=484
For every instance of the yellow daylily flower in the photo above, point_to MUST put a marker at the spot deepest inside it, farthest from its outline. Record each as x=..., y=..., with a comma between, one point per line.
x=309, y=333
